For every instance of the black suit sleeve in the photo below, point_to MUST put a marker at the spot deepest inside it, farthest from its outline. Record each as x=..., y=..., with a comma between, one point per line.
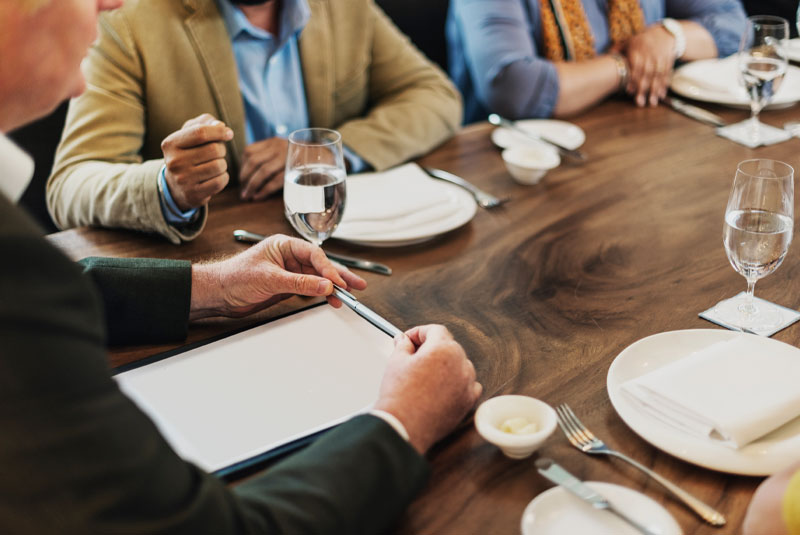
x=145, y=300
x=77, y=456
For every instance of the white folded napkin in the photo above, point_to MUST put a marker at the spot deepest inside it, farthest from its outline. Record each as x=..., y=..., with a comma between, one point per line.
x=402, y=198
x=733, y=391
x=718, y=76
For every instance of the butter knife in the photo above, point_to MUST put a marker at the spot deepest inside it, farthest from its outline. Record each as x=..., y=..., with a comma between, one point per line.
x=558, y=475
x=694, y=112
x=349, y=261
x=502, y=121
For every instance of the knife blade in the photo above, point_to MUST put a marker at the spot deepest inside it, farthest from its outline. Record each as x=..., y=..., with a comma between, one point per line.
x=558, y=475
x=694, y=112
x=349, y=261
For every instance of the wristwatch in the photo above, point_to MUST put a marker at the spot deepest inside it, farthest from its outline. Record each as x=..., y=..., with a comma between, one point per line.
x=674, y=27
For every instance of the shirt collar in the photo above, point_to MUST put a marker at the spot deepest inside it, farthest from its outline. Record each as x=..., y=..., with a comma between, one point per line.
x=17, y=169
x=294, y=16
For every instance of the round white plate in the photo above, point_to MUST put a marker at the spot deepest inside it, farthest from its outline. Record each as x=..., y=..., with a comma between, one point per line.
x=762, y=457
x=557, y=512
x=464, y=212
x=723, y=86
x=566, y=134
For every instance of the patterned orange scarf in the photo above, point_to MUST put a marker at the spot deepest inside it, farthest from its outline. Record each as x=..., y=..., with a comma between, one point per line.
x=566, y=33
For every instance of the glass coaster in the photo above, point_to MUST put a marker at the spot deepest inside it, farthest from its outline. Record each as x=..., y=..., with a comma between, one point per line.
x=742, y=133
x=780, y=317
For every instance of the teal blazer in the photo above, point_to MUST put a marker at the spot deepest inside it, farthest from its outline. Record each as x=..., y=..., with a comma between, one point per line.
x=77, y=456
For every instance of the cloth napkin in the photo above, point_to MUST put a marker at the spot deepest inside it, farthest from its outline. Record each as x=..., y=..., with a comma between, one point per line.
x=400, y=199
x=718, y=76
x=732, y=392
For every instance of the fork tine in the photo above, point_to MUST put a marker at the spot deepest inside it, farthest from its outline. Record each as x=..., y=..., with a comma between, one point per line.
x=562, y=425
x=576, y=425
x=580, y=424
x=568, y=428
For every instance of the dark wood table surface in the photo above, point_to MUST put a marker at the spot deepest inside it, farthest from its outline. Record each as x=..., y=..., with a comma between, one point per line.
x=544, y=292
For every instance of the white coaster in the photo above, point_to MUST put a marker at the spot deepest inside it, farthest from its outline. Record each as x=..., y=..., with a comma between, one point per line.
x=786, y=316
x=741, y=133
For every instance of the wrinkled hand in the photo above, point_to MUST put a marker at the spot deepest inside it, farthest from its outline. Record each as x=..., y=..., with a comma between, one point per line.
x=270, y=271
x=651, y=57
x=194, y=157
x=263, y=164
x=430, y=387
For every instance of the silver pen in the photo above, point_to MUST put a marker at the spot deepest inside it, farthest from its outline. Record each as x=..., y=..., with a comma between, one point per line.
x=368, y=314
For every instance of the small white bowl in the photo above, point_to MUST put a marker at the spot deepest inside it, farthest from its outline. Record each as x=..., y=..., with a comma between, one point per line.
x=493, y=412
x=530, y=163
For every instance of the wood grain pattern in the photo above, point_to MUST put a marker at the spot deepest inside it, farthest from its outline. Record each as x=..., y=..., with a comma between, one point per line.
x=544, y=293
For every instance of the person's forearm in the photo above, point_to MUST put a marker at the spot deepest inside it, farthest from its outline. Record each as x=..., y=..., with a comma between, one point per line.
x=765, y=512
x=699, y=42
x=584, y=84
x=206, y=292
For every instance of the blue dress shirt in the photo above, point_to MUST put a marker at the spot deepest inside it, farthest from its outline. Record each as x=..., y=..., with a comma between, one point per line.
x=271, y=83
x=492, y=46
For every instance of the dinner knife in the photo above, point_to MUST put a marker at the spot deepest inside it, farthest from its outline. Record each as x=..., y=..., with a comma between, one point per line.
x=694, y=112
x=349, y=261
x=502, y=121
x=558, y=475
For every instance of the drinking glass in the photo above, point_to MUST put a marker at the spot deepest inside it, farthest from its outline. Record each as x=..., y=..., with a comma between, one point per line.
x=762, y=65
x=314, y=192
x=758, y=229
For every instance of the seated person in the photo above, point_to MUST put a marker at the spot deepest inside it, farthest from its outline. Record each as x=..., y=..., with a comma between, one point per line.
x=184, y=96
x=525, y=59
x=80, y=457
x=775, y=507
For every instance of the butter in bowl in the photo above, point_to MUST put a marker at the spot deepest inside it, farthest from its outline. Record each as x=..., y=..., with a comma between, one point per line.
x=518, y=425
x=528, y=163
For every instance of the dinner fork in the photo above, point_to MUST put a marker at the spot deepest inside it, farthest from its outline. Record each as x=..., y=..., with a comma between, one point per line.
x=584, y=440
x=483, y=199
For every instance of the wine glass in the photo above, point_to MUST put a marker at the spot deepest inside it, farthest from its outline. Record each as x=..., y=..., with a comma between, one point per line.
x=314, y=192
x=758, y=229
x=762, y=66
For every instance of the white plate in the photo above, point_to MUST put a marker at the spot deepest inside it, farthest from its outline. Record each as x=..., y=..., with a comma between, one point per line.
x=723, y=85
x=762, y=457
x=461, y=208
x=557, y=512
x=562, y=132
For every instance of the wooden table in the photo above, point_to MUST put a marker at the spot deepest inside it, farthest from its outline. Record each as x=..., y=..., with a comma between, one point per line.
x=544, y=292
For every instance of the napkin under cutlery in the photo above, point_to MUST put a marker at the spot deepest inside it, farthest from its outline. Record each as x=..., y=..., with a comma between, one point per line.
x=401, y=198
x=731, y=392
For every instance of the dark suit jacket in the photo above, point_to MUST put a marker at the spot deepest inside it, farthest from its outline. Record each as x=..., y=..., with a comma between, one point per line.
x=77, y=456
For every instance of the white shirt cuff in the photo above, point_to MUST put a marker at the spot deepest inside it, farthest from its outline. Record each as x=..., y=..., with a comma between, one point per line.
x=392, y=420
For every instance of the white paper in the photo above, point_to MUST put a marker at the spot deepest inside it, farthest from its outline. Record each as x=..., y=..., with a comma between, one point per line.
x=241, y=396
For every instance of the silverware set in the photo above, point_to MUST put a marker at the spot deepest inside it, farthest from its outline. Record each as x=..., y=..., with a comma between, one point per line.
x=584, y=440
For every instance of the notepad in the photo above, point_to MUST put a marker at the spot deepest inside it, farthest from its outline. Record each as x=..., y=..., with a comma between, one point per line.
x=236, y=399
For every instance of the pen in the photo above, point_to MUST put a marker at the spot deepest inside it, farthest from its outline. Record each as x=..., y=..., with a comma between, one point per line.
x=371, y=316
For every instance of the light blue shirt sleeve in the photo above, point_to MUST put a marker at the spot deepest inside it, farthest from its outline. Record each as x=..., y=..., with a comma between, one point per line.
x=172, y=213
x=357, y=165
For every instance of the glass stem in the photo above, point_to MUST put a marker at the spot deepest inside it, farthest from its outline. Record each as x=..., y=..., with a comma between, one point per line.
x=749, y=306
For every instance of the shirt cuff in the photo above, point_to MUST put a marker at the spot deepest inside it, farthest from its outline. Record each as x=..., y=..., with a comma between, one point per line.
x=392, y=420
x=357, y=165
x=172, y=213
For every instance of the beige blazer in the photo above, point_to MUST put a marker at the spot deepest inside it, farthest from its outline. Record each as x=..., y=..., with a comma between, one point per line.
x=158, y=63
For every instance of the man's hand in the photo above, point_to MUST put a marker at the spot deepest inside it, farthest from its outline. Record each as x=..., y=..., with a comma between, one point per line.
x=263, y=164
x=270, y=271
x=194, y=156
x=651, y=57
x=429, y=384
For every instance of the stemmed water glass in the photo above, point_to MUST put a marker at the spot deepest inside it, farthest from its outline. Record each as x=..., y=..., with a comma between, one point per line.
x=758, y=229
x=762, y=66
x=314, y=191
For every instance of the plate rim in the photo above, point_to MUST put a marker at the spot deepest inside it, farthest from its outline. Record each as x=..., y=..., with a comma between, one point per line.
x=523, y=121
x=710, y=454
x=680, y=85
x=607, y=489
